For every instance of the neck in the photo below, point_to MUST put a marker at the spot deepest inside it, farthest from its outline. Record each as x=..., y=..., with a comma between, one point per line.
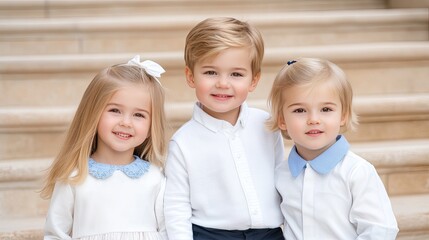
x=113, y=158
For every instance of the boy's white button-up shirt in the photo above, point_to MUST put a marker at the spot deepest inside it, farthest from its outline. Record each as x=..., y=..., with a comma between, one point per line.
x=338, y=195
x=222, y=176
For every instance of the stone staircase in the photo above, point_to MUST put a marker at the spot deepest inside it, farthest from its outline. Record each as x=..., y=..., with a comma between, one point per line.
x=50, y=51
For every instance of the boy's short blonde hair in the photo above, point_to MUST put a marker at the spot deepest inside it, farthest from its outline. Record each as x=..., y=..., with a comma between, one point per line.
x=209, y=37
x=311, y=72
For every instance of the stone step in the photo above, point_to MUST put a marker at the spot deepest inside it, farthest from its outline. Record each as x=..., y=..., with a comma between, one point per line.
x=95, y=8
x=140, y=33
x=411, y=212
x=38, y=131
x=20, y=184
x=388, y=68
x=22, y=228
x=407, y=4
x=402, y=165
x=383, y=118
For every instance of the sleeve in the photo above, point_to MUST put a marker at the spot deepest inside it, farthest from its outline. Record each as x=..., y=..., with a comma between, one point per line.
x=159, y=210
x=177, y=205
x=371, y=211
x=59, y=220
x=279, y=149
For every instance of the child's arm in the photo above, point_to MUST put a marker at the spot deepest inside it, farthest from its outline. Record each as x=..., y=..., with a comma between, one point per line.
x=59, y=220
x=371, y=210
x=177, y=205
x=159, y=210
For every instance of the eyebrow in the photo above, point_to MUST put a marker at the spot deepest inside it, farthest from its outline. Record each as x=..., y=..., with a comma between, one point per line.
x=294, y=104
x=120, y=105
x=303, y=104
x=235, y=68
x=329, y=103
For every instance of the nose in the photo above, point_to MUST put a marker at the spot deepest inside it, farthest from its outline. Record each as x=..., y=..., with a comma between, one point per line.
x=125, y=121
x=222, y=82
x=313, y=119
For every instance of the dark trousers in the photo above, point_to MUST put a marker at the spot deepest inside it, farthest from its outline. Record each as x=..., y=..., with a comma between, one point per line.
x=203, y=233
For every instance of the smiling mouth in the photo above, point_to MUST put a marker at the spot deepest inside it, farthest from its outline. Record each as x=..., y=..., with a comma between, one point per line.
x=225, y=96
x=314, y=132
x=122, y=135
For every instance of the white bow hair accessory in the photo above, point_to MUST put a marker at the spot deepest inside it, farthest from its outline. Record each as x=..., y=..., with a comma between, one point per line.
x=152, y=68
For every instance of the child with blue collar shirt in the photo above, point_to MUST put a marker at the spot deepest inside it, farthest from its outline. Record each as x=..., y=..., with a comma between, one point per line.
x=328, y=192
x=220, y=166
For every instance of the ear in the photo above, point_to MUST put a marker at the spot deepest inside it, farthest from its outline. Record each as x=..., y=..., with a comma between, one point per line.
x=254, y=82
x=281, y=122
x=344, y=120
x=189, y=77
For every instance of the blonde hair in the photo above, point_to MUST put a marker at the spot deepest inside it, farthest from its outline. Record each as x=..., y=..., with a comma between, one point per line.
x=81, y=139
x=311, y=71
x=213, y=35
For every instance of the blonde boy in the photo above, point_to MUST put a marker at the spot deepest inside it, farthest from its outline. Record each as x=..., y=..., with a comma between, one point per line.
x=220, y=166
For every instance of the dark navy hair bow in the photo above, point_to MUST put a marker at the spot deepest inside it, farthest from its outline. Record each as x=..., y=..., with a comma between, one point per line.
x=291, y=62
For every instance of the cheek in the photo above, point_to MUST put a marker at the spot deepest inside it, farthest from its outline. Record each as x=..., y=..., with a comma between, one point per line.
x=102, y=130
x=339, y=120
x=292, y=119
x=201, y=86
x=143, y=128
x=102, y=124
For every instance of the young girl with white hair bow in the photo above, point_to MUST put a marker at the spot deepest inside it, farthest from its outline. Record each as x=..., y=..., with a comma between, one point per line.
x=107, y=180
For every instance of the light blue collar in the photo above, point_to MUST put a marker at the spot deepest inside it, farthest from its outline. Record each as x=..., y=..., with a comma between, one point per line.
x=135, y=169
x=323, y=163
x=215, y=124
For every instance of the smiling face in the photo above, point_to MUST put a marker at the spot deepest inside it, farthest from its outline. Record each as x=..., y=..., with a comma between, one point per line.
x=124, y=124
x=312, y=117
x=223, y=82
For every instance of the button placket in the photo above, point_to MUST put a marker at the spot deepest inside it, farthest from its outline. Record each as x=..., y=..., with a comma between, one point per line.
x=244, y=174
x=308, y=202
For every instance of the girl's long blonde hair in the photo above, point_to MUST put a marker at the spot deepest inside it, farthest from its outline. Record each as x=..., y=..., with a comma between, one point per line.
x=71, y=163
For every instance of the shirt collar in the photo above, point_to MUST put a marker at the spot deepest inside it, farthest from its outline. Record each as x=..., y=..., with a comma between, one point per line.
x=323, y=163
x=215, y=124
x=135, y=169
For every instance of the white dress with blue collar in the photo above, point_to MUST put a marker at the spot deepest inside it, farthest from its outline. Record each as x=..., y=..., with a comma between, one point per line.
x=114, y=202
